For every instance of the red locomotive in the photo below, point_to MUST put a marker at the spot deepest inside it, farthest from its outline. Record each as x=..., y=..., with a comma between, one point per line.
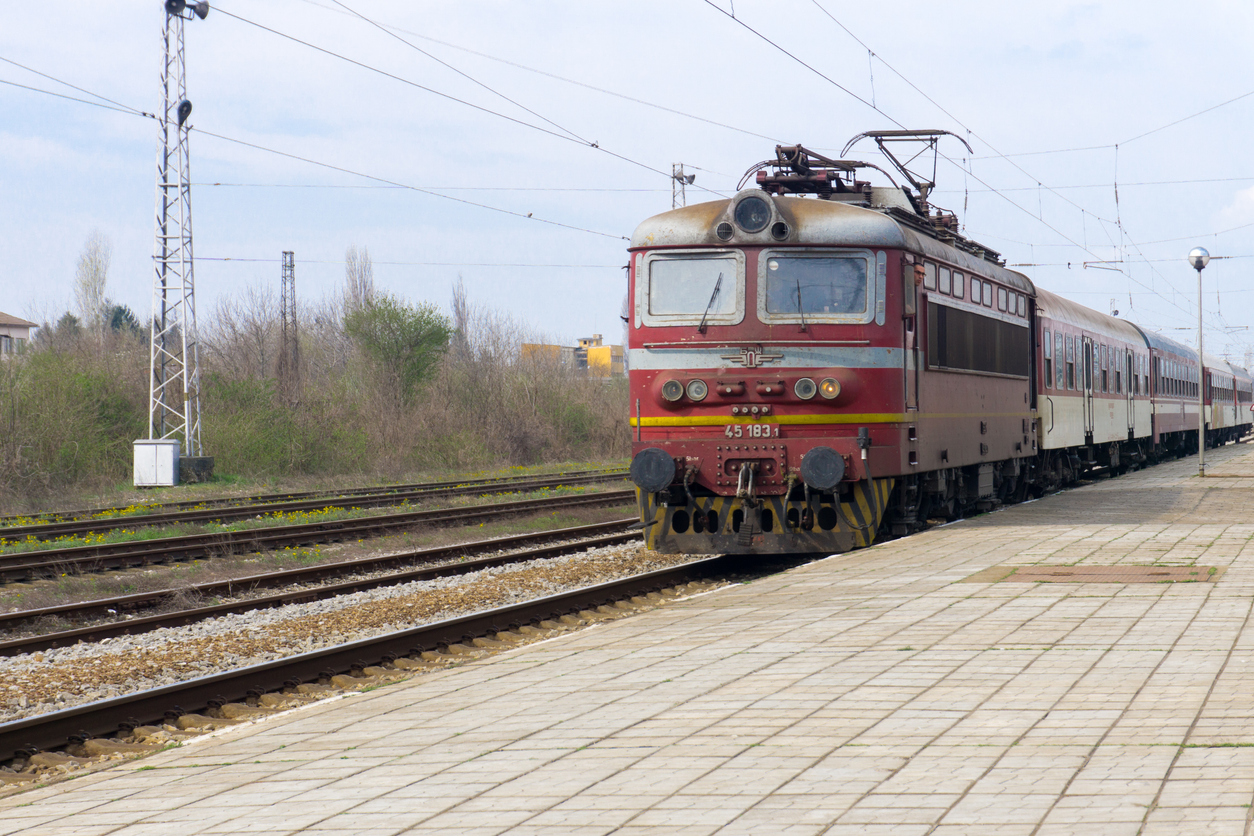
x=819, y=360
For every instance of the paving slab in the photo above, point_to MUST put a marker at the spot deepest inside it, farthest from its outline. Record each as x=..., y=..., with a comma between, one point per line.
x=911, y=688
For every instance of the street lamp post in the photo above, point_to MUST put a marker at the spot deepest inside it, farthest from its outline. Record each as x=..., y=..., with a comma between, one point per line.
x=1198, y=259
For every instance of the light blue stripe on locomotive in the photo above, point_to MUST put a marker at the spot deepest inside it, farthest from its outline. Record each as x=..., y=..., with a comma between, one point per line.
x=793, y=357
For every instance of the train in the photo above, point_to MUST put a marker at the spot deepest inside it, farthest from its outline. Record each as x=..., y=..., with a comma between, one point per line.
x=818, y=362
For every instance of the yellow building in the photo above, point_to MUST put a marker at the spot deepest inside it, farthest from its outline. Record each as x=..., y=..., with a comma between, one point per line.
x=605, y=360
x=590, y=356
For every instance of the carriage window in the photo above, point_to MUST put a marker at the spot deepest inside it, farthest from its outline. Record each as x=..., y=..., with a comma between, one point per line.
x=1049, y=361
x=1070, y=362
x=1058, y=361
x=945, y=280
x=1001, y=298
x=929, y=276
x=1023, y=305
x=988, y=295
x=685, y=288
x=975, y=290
x=959, y=284
x=816, y=285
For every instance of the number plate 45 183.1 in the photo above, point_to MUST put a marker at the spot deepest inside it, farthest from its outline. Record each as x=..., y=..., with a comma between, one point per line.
x=751, y=430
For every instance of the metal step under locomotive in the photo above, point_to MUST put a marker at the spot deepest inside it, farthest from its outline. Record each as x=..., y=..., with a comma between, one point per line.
x=818, y=360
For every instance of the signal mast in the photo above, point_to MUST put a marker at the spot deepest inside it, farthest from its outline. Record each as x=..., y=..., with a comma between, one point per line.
x=174, y=354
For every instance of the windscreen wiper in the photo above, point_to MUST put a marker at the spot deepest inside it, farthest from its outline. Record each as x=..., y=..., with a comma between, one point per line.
x=710, y=304
x=800, y=307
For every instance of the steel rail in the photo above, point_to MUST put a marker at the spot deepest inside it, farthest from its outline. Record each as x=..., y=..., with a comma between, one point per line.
x=50, y=562
x=120, y=714
x=593, y=537
x=44, y=531
x=262, y=499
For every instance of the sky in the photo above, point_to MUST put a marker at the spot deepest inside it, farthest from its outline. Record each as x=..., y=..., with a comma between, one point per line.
x=1109, y=139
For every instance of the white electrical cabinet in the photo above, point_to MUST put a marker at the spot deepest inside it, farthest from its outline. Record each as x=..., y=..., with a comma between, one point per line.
x=156, y=462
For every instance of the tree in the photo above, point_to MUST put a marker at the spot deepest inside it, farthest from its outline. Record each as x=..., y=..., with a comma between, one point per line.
x=358, y=278
x=90, y=279
x=121, y=319
x=405, y=341
x=461, y=321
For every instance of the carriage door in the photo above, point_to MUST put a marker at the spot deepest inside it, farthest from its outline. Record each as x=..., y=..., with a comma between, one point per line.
x=1088, y=388
x=1128, y=387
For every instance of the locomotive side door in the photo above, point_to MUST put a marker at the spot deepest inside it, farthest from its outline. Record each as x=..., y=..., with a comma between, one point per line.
x=1088, y=388
x=912, y=283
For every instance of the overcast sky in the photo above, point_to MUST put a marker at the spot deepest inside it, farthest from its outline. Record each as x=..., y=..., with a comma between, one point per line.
x=679, y=81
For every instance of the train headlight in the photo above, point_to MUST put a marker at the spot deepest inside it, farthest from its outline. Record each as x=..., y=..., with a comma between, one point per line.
x=672, y=390
x=697, y=390
x=829, y=388
x=753, y=214
x=805, y=388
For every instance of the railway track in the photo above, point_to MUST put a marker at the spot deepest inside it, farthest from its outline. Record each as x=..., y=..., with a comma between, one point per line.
x=499, y=627
x=539, y=545
x=100, y=557
x=363, y=498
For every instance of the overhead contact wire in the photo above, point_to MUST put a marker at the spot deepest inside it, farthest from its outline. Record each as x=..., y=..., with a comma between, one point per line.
x=133, y=111
x=979, y=180
x=563, y=136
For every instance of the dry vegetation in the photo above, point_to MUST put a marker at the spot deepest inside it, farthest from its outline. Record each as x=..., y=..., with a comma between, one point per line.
x=386, y=388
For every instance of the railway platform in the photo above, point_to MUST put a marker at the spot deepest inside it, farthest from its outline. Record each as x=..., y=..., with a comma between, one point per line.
x=1076, y=665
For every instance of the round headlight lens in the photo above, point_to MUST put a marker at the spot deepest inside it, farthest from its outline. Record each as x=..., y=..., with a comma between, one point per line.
x=829, y=388
x=805, y=388
x=672, y=390
x=697, y=390
x=753, y=214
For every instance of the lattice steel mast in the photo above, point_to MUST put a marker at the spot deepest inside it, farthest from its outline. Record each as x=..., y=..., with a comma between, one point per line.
x=679, y=180
x=174, y=356
x=289, y=350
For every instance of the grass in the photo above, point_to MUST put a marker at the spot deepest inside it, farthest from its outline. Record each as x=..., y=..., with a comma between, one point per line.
x=280, y=518
x=128, y=501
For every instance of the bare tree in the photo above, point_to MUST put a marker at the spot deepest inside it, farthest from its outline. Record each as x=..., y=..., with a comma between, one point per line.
x=358, y=278
x=461, y=320
x=242, y=339
x=90, y=279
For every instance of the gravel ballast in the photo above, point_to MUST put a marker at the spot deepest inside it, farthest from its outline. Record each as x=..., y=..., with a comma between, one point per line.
x=52, y=680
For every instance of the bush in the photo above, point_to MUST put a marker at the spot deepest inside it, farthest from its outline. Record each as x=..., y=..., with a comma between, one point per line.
x=380, y=394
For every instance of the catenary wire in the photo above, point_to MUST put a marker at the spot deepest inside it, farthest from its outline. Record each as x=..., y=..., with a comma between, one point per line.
x=975, y=177
x=137, y=112
x=594, y=145
x=433, y=188
x=970, y=132
x=1039, y=218
x=566, y=80
x=116, y=105
x=333, y=167
x=464, y=75
x=121, y=109
x=409, y=263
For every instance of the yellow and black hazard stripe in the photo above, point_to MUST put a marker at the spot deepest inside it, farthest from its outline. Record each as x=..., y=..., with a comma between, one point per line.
x=767, y=525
